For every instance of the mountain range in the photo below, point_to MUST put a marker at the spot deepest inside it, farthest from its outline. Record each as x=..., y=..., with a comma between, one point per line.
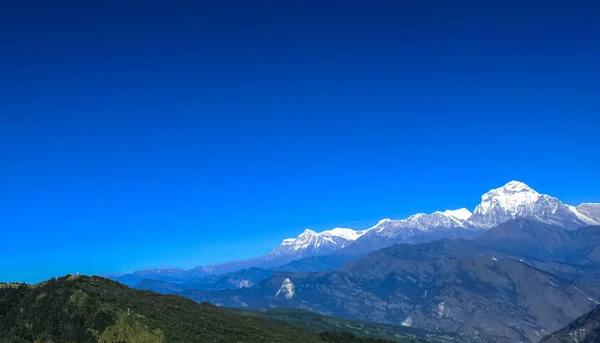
x=332, y=248
x=519, y=281
x=518, y=267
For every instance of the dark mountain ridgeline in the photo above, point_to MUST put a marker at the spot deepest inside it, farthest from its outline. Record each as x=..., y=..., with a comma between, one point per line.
x=585, y=329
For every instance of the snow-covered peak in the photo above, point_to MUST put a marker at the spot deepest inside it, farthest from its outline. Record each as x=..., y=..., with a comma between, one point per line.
x=518, y=200
x=288, y=241
x=588, y=213
x=308, y=232
x=517, y=186
x=338, y=232
x=345, y=233
x=310, y=242
x=514, y=197
x=424, y=222
x=461, y=213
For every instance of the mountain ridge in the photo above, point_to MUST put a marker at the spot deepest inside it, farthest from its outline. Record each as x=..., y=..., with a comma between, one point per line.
x=585, y=329
x=513, y=200
x=499, y=287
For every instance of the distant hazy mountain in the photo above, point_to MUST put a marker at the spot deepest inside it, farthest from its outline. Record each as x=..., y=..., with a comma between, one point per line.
x=233, y=280
x=513, y=200
x=160, y=274
x=308, y=243
x=518, y=282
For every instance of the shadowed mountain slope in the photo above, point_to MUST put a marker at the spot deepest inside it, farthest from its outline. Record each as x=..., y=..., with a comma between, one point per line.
x=585, y=329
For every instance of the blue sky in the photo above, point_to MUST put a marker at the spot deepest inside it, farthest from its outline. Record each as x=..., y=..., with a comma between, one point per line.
x=136, y=134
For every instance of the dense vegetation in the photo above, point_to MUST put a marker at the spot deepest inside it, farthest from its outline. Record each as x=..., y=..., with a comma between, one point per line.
x=317, y=322
x=96, y=310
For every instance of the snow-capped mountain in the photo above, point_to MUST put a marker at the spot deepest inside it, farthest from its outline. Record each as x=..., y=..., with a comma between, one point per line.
x=511, y=201
x=418, y=228
x=308, y=243
x=311, y=243
x=424, y=222
x=588, y=213
x=518, y=200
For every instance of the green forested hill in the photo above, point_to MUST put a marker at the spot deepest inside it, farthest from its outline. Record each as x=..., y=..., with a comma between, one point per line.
x=318, y=322
x=81, y=309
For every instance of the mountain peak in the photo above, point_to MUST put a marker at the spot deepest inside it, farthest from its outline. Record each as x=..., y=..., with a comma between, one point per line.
x=312, y=243
x=308, y=232
x=518, y=200
x=345, y=233
x=461, y=213
x=517, y=186
x=512, y=197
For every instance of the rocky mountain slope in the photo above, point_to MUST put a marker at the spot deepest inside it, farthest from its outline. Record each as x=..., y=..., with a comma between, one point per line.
x=585, y=329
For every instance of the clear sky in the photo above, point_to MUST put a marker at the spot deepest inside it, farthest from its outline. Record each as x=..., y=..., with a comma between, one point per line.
x=142, y=134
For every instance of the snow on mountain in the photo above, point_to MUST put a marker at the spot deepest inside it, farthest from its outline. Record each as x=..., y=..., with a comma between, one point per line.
x=287, y=289
x=417, y=228
x=425, y=222
x=344, y=233
x=587, y=212
x=518, y=200
x=513, y=200
x=462, y=214
x=310, y=243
